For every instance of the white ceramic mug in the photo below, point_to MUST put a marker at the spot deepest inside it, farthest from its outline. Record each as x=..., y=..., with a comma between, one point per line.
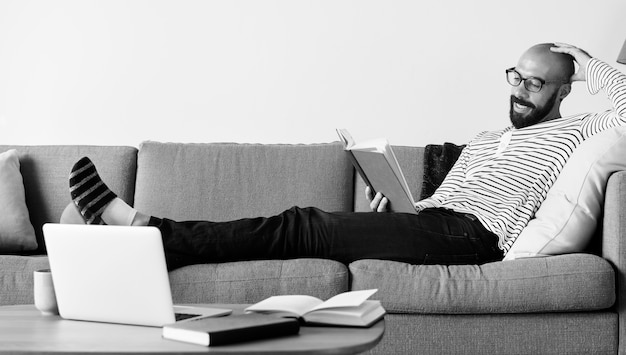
x=45, y=298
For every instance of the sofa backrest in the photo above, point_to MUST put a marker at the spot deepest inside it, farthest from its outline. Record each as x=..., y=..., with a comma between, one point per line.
x=45, y=171
x=225, y=181
x=411, y=160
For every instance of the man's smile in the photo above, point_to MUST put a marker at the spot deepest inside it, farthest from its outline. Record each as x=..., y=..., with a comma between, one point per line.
x=521, y=106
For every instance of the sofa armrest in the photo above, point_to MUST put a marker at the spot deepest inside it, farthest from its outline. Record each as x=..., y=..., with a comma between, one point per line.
x=614, y=245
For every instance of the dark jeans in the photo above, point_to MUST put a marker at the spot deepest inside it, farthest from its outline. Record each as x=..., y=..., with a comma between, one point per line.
x=434, y=236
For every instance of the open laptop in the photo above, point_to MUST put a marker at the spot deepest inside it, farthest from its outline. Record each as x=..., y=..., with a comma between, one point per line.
x=113, y=274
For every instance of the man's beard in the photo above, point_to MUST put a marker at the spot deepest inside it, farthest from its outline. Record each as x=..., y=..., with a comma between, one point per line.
x=534, y=116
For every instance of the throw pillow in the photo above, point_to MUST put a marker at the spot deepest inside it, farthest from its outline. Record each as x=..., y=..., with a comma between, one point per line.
x=567, y=219
x=16, y=232
x=438, y=160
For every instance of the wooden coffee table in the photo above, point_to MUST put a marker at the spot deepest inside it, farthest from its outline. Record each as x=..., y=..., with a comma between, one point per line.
x=24, y=329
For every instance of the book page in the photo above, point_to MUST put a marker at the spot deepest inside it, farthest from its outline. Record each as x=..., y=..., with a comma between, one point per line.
x=379, y=145
x=362, y=316
x=346, y=138
x=346, y=299
x=293, y=305
x=344, y=312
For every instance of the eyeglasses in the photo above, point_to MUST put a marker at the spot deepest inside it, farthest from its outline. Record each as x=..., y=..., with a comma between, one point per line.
x=532, y=84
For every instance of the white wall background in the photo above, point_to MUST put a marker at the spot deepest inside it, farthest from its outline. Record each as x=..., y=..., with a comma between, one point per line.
x=281, y=71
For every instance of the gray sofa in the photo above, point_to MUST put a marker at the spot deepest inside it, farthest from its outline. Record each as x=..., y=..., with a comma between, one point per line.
x=565, y=304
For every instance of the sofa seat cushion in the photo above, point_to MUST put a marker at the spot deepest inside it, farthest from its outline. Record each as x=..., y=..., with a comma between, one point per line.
x=253, y=281
x=566, y=283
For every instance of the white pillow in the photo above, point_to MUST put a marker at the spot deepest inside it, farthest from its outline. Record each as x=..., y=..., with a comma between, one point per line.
x=567, y=219
x=16, y=231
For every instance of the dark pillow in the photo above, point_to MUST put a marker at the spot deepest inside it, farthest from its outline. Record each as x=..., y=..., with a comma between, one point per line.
x=438, y=160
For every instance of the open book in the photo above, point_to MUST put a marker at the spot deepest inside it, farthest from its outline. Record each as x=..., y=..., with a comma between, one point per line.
x=377, y=165
x=347, y=309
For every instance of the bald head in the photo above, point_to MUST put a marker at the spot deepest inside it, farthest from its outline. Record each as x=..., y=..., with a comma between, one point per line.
x=547, y=64
x=530, y=106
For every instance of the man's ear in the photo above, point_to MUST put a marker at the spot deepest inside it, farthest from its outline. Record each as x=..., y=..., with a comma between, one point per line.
x=565, y=90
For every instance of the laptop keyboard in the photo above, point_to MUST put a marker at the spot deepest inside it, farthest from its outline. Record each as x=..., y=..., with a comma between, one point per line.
x=183, y=316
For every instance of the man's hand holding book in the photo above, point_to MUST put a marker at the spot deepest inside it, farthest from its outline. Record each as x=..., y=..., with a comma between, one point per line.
x=378, y=202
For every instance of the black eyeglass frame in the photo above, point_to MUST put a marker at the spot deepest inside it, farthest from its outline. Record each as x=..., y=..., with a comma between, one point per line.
x=525, y=80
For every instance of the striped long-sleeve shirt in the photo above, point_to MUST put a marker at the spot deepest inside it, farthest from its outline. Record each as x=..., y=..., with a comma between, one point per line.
x=502, y=177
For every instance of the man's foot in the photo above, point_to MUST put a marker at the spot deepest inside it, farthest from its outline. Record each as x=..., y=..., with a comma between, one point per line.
x=71, y=215
x=89, y=193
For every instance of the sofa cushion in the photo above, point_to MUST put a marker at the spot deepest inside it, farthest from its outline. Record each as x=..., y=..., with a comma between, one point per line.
x=16, y=232
x=253, y=281
x=567, y=219
x=45, y=170
x=224, y=181
x=565, y=283
x=16, y=278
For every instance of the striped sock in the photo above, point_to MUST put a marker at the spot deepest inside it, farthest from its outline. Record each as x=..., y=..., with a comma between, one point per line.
x=89, y=193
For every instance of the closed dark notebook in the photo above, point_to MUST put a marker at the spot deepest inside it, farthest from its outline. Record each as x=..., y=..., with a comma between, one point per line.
x=214, y=331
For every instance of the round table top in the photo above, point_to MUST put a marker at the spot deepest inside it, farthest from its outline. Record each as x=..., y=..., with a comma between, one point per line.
x=23, y=328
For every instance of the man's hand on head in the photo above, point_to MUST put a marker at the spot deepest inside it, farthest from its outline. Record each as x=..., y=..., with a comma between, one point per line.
x=580, y=56
x=378, y=203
